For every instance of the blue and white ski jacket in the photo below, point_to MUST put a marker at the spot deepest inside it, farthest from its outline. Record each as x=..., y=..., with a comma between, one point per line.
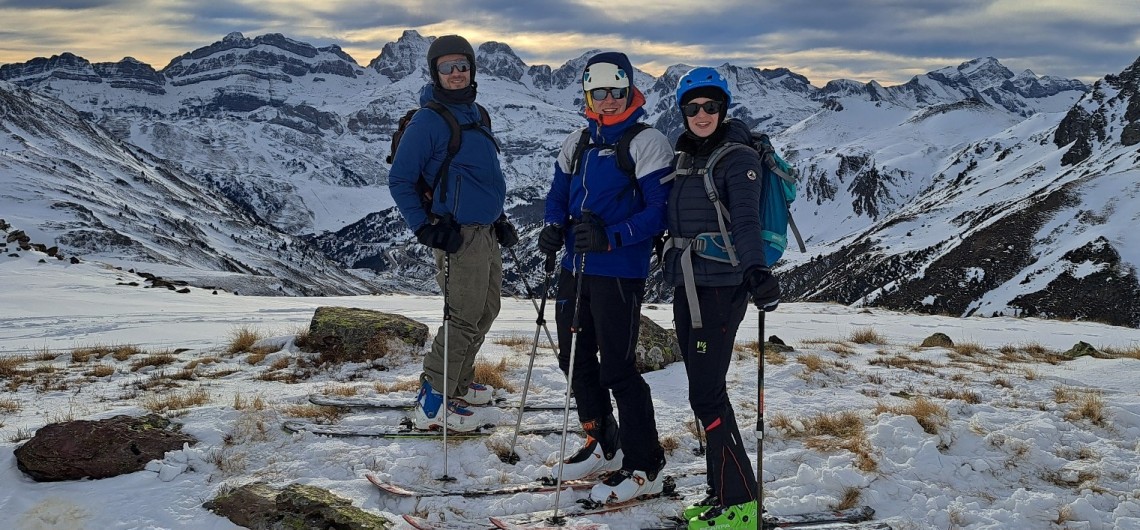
x=632, y=216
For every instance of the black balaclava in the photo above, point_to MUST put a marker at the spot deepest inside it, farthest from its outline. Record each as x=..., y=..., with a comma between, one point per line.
x=447, y=45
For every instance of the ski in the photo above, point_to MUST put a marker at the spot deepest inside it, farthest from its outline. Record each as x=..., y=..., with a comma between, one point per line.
x=397, y=404
x=800, y=520
x=543, y=485
x=540, y=519
x=406, y=432
x=847, y=519
x=423, y=490
x=422, y=523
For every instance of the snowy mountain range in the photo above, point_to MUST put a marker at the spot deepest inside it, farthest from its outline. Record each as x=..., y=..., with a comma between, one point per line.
x=970, y=189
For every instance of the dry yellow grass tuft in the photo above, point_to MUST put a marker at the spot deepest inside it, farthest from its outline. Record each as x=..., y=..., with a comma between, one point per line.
x=101, y=370
x=968, y=349
x=494, y=374
x=313, y=412
x=968, y=396
x=812, y=362
x=514, y=341
x=867, y=336
x=1087, y=404
x=153, y=360
x=242, y=340
x=176, y=401
x=403, y=385
x=929, y=414
x=9, y=406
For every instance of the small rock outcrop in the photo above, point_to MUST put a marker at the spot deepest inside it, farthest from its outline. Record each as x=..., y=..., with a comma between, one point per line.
x=259, y=506
x=98, y=449
x=937, y=340
x=348, y=334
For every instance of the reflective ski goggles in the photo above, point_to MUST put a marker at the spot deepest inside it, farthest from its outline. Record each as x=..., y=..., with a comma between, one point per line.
x=450, y=67
x=598, y=94
x=710, y=108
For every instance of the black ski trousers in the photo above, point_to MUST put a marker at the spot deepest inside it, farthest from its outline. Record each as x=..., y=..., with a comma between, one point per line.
x=609, y=321
x=708, y=354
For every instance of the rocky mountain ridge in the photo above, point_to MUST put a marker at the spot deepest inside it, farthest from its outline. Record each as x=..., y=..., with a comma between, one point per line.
x=295, y=135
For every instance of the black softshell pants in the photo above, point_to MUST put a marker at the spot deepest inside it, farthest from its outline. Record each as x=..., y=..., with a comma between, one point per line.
x=609, y=320
x=708, y=354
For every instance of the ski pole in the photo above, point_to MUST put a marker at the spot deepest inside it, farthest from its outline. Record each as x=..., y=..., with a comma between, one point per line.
x=760, y=416
x=446, y=383
x=555, y=519
x=512, y=457
x=530, y=294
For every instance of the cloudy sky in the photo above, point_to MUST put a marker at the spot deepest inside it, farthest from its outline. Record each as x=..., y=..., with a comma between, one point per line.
x=885, y=40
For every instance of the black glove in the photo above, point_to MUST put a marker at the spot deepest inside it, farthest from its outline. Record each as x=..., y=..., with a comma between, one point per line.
x=764, y=288
x=443, y=235
x=505, y=232
x=551, y=238
x=590, y=234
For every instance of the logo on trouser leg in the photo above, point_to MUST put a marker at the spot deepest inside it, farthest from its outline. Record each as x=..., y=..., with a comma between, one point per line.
x=702, y=346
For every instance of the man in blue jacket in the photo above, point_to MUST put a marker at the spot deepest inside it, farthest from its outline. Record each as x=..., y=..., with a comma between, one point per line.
x=465, y=224
x=606, y=214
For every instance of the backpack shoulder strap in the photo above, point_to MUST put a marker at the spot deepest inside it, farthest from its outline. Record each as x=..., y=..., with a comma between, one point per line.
x=625, y=159
x=722, y=214
x=580, y=150
x=456, y=138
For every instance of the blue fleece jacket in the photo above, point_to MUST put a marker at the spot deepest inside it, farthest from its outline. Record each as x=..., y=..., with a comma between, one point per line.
x=476, y=188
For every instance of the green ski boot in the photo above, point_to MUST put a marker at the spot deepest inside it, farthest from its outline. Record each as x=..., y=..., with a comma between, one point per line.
x=735, y=517
x=701, y=506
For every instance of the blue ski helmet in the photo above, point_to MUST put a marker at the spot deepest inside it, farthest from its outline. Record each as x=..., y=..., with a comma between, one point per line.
x=702, y=76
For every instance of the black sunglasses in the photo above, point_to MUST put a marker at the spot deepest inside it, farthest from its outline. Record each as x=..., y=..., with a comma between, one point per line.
x=451, y=66
x=711, y=107
x=599, y=94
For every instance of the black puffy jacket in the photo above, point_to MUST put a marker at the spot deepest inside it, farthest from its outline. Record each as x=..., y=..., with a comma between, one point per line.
x=690, y=212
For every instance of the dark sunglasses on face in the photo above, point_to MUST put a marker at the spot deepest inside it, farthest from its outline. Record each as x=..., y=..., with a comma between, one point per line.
x=598, y=94
x=451, y=66
x=710, y=107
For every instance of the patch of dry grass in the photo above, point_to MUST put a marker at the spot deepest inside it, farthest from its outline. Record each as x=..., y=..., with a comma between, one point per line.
x=828, y=432
x=204, y=360
x=254, y=403
x=101, y=370
x=929, y=414
x=968, y=396
x=968, y=349
x=812, y=362
x=867, y=336
x=340, y=390
x=402, y=385
x=515, y=341
x=670, y=444
x=176, y=401
x=494, y=374
x=850, y=499
x=313, y=412
x=10, y=366
x=923, y=366
x=153, y=360
x=119, y=352
x=9, y=406
x=242, y=340
x=1087, y=404
x=1132, y=352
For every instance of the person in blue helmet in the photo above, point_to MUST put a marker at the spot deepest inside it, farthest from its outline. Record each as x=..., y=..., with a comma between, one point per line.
x=464, y=225
x=711, y=293
x=605, y=213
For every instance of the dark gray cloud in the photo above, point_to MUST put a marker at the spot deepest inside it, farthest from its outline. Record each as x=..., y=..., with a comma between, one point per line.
x=887, y=40
x=58, y=4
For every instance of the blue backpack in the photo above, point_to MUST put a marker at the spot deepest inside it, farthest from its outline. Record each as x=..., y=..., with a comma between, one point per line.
x=778, y=190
